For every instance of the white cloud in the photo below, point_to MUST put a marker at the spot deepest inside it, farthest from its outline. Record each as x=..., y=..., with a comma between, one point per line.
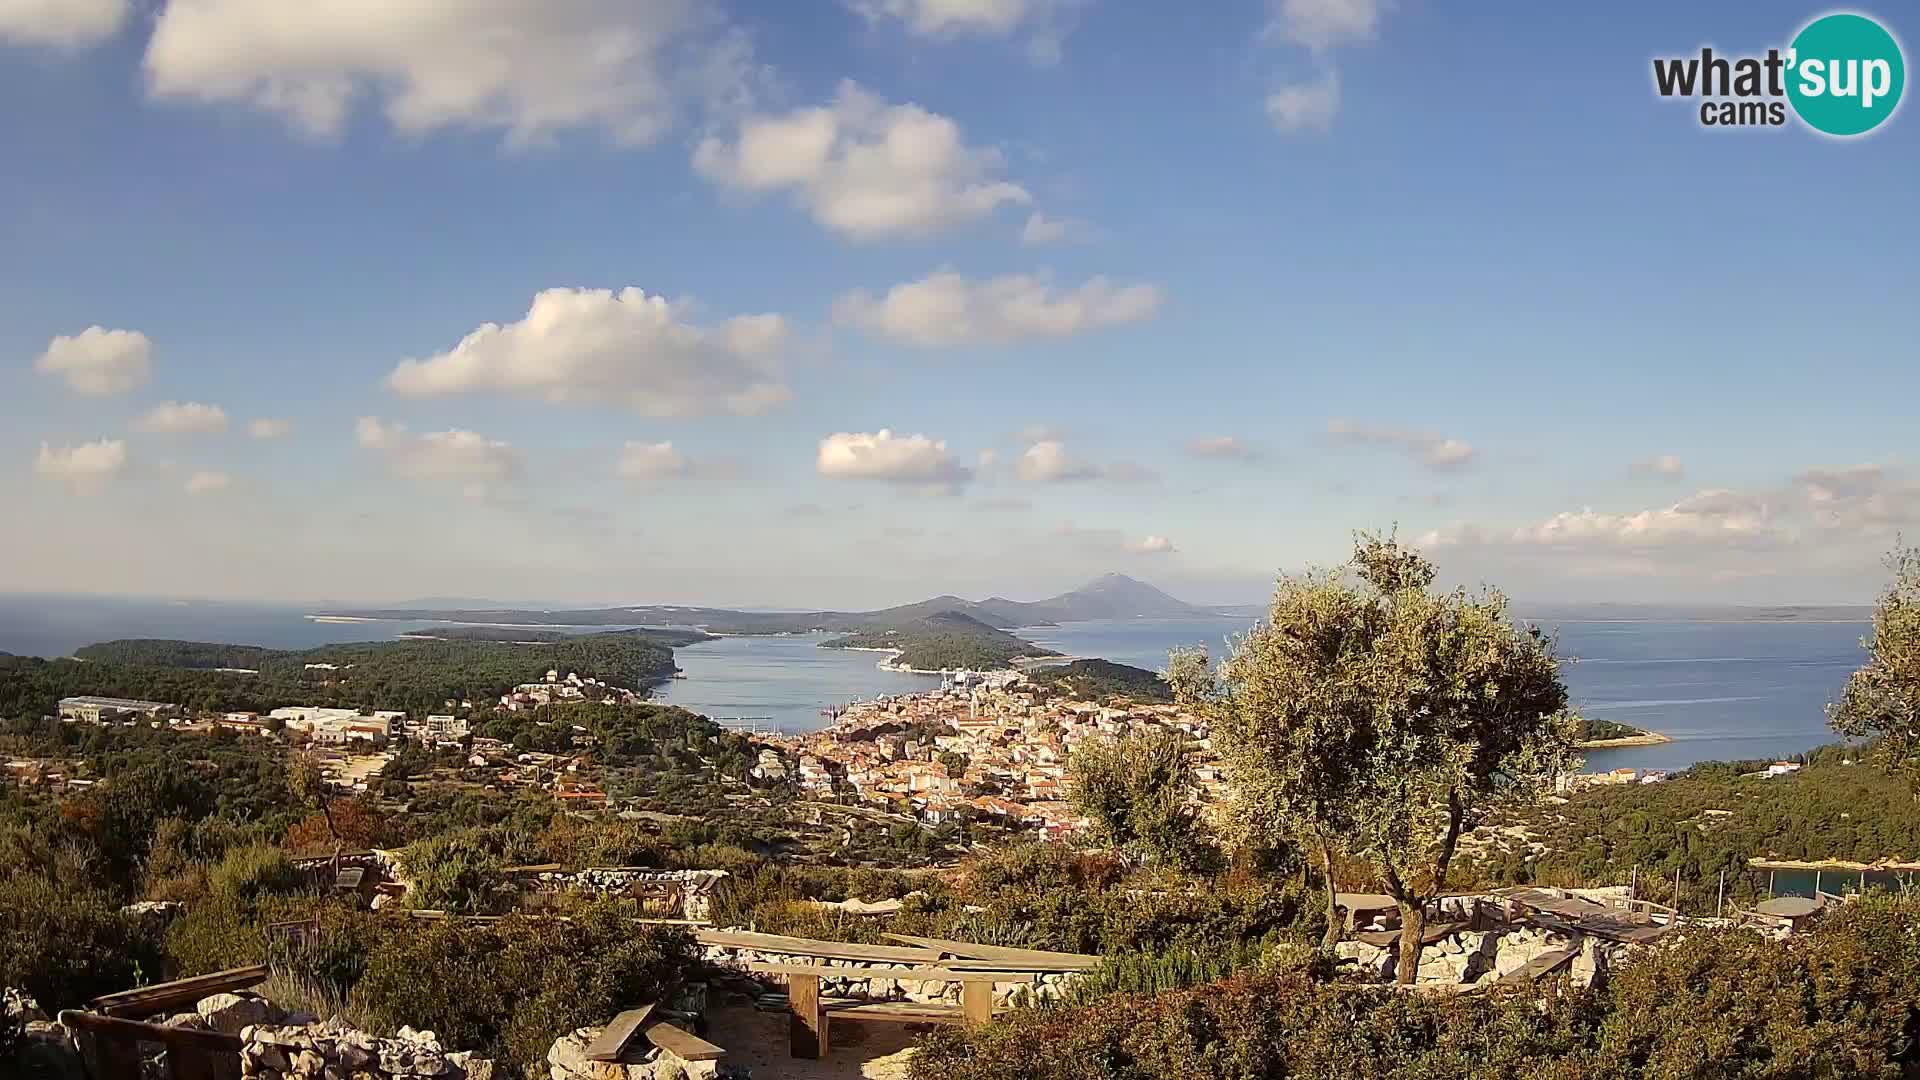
x=1048, y=21
x=1665, y=465
x=595, y=346
x=1049, y=462
x=1114, y=541
x=907, y=460
x=864, y=168
x=1433, y=451
x=270, y=428
x=85, y=469
x=183, y=418
x=1305, y=106
x=946, y=309
x=1715, y=517
x=1222, y=446
x=477, y=464
x=1323, y=24
x=1043, y=231
x=98, y=361
x=652, y=462
x=206, y=482
x=1864, y=499
x=530, y=68
x=61, y=24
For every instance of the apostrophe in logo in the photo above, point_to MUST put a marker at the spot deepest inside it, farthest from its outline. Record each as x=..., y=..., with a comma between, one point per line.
x=1842, y=76
x=1845, y=74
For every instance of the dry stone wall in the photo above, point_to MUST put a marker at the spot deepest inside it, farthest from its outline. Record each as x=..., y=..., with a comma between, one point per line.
x=282, y=1051
x=868, y=980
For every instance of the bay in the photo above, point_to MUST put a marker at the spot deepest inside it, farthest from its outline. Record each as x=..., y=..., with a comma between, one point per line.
x=1719, y=690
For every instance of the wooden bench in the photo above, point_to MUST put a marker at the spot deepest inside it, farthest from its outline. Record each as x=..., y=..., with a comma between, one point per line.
x=811, y=1014
x=615, y=1043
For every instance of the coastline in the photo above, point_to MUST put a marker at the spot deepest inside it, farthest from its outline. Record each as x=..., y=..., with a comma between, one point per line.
x=1651, y=738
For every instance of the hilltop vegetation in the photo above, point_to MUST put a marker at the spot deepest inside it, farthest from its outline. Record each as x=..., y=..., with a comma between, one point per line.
x=944, y=642
x=413, y=675
x=1101, y=680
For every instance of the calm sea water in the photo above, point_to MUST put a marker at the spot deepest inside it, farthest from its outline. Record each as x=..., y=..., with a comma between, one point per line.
x=1720, y=690
x=788, y=679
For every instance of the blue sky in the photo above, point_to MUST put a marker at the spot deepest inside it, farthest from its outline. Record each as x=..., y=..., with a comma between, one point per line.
x=1187, y=292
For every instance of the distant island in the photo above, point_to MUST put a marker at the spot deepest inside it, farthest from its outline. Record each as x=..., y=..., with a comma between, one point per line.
x=1606, y=735
x=945, y=641
x=944, y=633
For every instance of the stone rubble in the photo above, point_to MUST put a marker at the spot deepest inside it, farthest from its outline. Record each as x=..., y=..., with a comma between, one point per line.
x=330, y=1050
x=858, y=983
x=1475, y=958
x=567, y=1060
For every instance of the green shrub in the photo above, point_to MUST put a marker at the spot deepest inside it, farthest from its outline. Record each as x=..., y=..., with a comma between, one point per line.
x=252, y=873
x=66, y=943
x=454, y=872
x=511, y=988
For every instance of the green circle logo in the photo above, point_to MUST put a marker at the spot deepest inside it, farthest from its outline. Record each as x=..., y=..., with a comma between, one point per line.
x=1845, y=74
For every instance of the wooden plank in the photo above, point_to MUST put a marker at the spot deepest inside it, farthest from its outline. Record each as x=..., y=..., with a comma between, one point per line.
x=613, y=1038
x=913, y=974
x=110, y=1028
x=834, y=950
x=152, y=1000
x=904, y=1012
x=807, y=1021
x=976, y=1002
x=1540, y=966
x=681, y=1042
x=1031, y=967
x=1039, y=959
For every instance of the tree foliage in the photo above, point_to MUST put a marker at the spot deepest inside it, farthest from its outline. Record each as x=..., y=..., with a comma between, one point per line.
x=1882, y=699
x=1138, y=792
x=1373, y=713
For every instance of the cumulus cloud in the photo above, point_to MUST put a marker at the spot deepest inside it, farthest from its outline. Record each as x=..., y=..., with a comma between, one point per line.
x=85, y=469
x=183, y=418
x=1663, y=465
x=270, y=428
x=652, y=462
x=1222, y=447
x=1714, y=517
x=1049, y=462
x=99, y=362
x=596, y=346
x=1433, y=451
x=206, y=482
x=528, y=68
x=1323, y=24
x=61, y=24
x=1318, y=26
x=1046, y=21
x=475, y=463
x=1305, y=106
x=863, y=168
x=1151, y=545
x=945, y=309
x=906, y=460
x=1043, y=231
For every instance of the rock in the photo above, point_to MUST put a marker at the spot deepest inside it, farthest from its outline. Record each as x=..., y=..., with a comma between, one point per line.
x=308, y=1063
x=568, y=1054
x=21, y=1006
x=230, y=1013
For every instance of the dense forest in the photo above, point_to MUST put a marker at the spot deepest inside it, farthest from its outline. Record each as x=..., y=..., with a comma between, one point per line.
x=413, y=675
x=945, y=641
x=1592, y=730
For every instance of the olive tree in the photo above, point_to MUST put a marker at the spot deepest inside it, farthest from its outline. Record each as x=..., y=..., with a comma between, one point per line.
x=1374, y=713
x=1882, y=699
x=1138, y=792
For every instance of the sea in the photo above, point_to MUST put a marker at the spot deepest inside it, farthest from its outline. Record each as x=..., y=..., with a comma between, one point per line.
x=1719, y=690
